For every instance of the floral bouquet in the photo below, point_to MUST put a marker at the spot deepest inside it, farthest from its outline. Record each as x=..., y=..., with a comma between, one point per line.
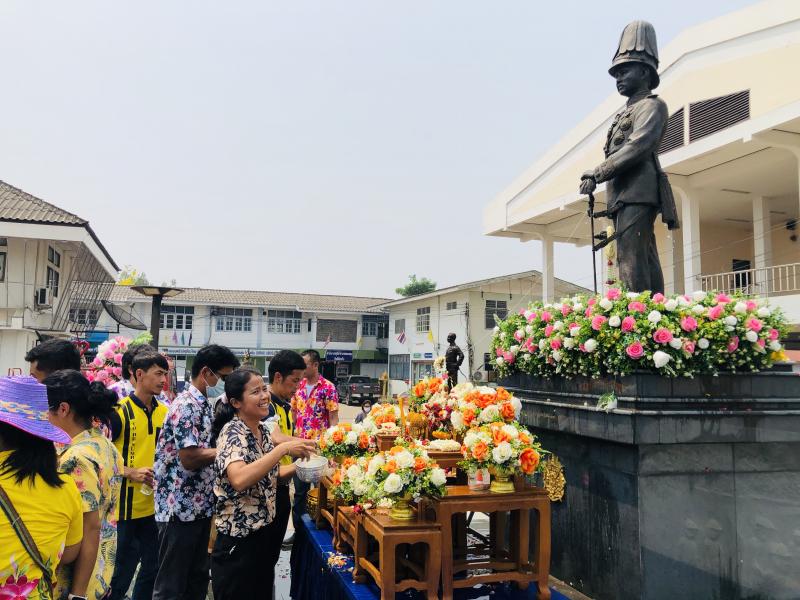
x=504, y=448
x=402, y=474
x=619, y=332
x=437, y=411
x=383, y=418
x=345, y=439
x=424, y=390
x=107, y=364
x=477, y=405
x=351, y=483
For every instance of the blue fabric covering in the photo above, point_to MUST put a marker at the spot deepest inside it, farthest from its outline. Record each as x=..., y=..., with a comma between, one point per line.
x=313, y=579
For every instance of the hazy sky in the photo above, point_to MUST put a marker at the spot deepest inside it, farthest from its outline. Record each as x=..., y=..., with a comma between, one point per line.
x=329, y=147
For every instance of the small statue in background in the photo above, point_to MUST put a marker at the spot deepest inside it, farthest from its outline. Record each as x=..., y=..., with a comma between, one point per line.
x=453, y=358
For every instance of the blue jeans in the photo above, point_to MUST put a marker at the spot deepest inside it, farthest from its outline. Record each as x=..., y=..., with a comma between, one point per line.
x=137, y=541
x=299, y=503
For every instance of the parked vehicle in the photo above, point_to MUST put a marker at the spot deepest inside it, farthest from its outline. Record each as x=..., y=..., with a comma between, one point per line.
x=354, y=389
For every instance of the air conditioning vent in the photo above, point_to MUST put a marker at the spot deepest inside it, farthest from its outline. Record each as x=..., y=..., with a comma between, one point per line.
x=710, y=116
x=43, y=298
x=673, y=136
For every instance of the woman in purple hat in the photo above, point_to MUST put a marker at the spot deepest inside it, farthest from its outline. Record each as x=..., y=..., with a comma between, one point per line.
x=41, y=517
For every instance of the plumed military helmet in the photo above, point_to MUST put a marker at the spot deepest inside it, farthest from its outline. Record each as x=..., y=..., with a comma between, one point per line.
x=638, y=44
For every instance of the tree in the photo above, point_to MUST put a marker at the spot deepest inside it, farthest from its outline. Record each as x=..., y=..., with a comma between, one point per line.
x=130, y=276
x=415, y=286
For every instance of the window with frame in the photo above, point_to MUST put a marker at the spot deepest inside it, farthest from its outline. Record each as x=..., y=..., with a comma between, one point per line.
x=2, y=267
x=423, y=319
x=177, y=317
x=451, y=306
x=233, y=319
x=399, y=366
x=283, y=321
x=373, y=326
x=498, y=308
x=53, y=273
x=83, y=316
x=399, y=326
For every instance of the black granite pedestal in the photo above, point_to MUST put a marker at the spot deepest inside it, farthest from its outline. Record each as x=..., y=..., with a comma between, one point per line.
x=689, y=489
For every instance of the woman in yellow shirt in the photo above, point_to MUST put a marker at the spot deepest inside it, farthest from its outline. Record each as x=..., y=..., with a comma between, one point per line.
x=47, y=503
x=93, y=462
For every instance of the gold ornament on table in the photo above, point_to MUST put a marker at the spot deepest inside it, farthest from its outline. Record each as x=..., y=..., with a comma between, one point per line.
x=553, y=476
x=417, y=425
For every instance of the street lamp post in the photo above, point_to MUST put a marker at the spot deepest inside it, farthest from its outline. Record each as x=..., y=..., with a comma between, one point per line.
x=157, y=293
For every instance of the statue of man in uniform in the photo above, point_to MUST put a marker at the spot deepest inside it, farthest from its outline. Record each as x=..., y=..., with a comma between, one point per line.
x=453, y=357
x=636, y=187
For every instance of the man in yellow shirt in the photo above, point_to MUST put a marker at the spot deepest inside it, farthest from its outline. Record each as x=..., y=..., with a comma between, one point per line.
x=134, y=430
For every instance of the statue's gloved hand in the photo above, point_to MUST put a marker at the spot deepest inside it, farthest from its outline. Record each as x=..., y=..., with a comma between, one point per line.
x=588, y=184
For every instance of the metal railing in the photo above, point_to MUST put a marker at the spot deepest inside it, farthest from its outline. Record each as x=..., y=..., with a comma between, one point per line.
x=768, y=281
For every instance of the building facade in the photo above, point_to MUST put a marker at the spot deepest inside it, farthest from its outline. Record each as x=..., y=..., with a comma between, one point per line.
x=419, y=325
x=349, y=332
x=732, y=153
x=54, y=273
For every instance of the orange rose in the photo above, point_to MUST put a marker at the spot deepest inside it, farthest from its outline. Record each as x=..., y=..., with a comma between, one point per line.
x=420, y=389
x=499, y=436
x=434, y=384
x=322, y=443
x=419, y=464
x=480, y=450
x=507, y=411
x=363, y=441
x=502, y=394
x=395, y=450
x=337, y=478
x=524, y=438
x=390, y=466
x=337, y=436
x=529, y=460
x=469, y=416
x=346, y=426
x=349, y=461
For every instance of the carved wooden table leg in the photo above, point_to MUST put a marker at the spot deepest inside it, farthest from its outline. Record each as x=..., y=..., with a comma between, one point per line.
x=542, y=553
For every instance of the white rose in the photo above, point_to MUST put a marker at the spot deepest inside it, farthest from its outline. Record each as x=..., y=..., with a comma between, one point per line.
x=698, y=309
x=510, y=431
x=392, y=484
x=590, y=345
x=527, y=314
x=676, y=343
x=502, y=452
x=577, y=307
x=740, y=307
x=360, y=487
x=556, y=356
x=558, y=325
x=502, y=335
x=575, y=331
x=632, y=295
x=471, y=439
x=661, y=359
x=457, y=419
x=513, y=349
x=499, y=361
x=490, y=414
x=683, y=301
x=764, y=312
x=730, y=320
x=353, y=472
x=438, y=476
x=496, y=330
x=404, y=459
x=569, y=343
x=606, y=304
x=729, y=328
x=615, y=321
x=775, y=346
x=654, y=316
x=529, y=329
x=542, y=343
x=517, y=404
x=374, y=465
x=751, y=336
x=699, y=296
x=703, y=343
x=671, y=304
x=351, y=438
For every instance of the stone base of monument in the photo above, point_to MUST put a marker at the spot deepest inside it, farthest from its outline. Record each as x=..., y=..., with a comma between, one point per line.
x=690, y=488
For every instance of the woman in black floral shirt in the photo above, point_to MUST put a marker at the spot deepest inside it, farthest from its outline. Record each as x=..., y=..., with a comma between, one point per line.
x=247, y=467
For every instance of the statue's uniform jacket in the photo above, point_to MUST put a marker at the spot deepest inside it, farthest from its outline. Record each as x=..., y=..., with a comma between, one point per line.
x=630, y=168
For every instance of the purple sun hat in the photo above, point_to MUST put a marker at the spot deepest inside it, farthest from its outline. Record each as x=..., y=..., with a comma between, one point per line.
x=23, y=404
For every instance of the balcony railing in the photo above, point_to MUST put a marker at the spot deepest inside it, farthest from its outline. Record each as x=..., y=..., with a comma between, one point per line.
x=767, y=281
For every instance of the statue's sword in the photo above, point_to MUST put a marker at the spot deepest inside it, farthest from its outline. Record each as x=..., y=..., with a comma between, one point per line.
x=594, y=249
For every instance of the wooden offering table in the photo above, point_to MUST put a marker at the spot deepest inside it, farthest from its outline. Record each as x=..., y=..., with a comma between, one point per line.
x=327, y=505
x=505, y=566
x=389, y=534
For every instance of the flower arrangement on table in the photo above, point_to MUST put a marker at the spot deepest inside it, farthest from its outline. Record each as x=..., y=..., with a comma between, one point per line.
x=424, y=390
x=346, y=439
x=383, y=419
x=436, y=411
x=480, y=405
x=617, y=332
x=505, y=449
x=350, y=482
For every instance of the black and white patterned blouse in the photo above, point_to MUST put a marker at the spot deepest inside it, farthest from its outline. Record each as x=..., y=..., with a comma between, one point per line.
x=239, y=514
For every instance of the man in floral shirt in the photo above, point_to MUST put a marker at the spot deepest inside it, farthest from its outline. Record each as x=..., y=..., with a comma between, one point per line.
x=315, y=407
x=184, y=475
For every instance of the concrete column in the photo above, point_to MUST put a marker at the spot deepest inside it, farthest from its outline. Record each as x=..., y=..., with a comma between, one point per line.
x=676, y=282
x=313, y=343
x=762, y=242
x=548, y=276
x=690, y=224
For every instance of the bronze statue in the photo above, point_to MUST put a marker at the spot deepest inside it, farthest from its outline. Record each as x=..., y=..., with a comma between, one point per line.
x=637, y=189
x=453, y=358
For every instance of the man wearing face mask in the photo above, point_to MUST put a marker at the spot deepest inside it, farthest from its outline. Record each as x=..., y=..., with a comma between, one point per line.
x=184, y=475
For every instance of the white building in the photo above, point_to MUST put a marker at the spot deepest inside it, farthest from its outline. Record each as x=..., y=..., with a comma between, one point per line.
x=419, y=325
x=348, y=331
x=49, y=259
x=732, y=152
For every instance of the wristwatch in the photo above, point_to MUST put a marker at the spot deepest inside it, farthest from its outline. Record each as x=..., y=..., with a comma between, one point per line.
x=75, y=597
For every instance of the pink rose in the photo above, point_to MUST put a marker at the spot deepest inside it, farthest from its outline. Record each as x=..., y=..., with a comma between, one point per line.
x=592, y=301
x=628, y=324
x=636, y=306
x=499, y=352
x=508, y=357
x=548, y=331
x=101, y=375
x=565, y=310
x=662, y=335
x=522, y=311
x=117, y=371
x=89, y=376
x=518, y=335
x=118, y=358
x=97, y=362
x=688, y=323
x=688, y=347
x=546, y=316
x=754, y=325
x=555, y=344
x=572, y=325
x=582, y=347
x=715, y=312
x=733, y=344
x=635, y=350
x=722, y=299
x=761, y=342
x=774, y=334
x=588, y=312
x=751, y=305
x=658, y=298
x=613, y=294
x=597, y=322
x=532, y=317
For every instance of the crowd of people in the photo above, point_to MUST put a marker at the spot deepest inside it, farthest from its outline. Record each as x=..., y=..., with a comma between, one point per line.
x=102, y=487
